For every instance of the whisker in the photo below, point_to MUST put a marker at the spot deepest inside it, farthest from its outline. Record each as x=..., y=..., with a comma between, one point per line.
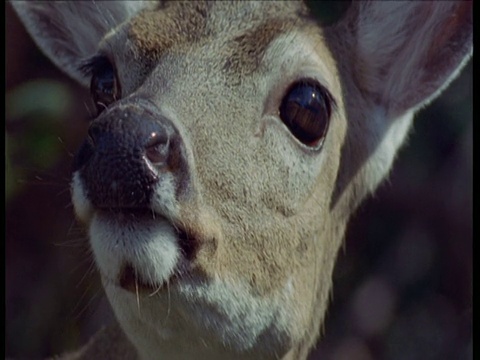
x=77, y=312
x=137, y=292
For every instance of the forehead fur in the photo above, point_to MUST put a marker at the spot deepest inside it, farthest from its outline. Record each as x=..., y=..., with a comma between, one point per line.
x=155, y=31
x=176, y=26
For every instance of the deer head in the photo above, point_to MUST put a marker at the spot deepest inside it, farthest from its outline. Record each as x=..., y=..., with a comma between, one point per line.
x=232, y=143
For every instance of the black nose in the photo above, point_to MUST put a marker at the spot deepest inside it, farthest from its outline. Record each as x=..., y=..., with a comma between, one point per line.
x=124, y=155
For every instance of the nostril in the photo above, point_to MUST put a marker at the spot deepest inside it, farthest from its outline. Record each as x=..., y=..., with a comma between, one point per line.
x=127, y=152
x=157, y=148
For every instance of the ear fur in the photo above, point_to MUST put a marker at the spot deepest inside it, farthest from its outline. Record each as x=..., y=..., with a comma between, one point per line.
x=393, y=57
x=69, y=31
x=405, y=52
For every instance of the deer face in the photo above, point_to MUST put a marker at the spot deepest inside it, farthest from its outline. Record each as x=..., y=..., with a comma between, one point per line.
x=210, y=179
x=232, y=142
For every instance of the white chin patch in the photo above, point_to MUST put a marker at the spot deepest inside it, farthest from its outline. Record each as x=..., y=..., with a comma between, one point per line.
x=146, y=244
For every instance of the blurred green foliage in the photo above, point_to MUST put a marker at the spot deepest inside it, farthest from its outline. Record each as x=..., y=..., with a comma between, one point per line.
x=35, y=110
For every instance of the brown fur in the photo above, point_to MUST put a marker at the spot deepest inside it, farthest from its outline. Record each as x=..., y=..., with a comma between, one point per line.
x=246, y=50
x=177, y=23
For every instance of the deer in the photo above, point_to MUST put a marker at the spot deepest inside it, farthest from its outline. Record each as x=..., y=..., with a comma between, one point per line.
x=231, y=144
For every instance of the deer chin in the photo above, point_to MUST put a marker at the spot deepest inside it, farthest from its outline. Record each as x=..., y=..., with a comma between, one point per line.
x=136, y=251
x=164, y=304
x=195, y=317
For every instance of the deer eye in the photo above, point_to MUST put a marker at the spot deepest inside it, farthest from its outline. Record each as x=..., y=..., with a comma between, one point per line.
x=104, y=85
x=306, y=110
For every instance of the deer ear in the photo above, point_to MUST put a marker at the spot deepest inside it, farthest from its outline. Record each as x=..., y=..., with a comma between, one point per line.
x=69, y=31
x=404, y=53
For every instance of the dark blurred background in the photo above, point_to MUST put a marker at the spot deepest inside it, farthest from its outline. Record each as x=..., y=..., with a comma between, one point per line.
x=403, y=282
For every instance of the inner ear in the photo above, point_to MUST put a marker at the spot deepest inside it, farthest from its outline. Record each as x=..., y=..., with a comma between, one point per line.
x=69, y=32
x=406, y=52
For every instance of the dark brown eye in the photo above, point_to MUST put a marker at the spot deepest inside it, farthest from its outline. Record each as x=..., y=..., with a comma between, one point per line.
x=104, y=85
x=306, y=110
